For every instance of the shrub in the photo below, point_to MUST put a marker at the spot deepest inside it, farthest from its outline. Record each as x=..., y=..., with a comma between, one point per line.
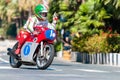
x=114, y=42
x=97, y=44
x=12, y=30
x=78, y=42
x=57, y=46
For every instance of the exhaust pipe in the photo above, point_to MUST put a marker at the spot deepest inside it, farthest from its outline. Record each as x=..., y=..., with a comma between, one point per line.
x=11, y=53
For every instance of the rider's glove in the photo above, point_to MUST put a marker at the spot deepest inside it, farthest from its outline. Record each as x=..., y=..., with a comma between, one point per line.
x=55, y=18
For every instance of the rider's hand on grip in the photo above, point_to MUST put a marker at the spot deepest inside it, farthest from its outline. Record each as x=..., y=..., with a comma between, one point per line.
x=35, y=33
x=55, y=17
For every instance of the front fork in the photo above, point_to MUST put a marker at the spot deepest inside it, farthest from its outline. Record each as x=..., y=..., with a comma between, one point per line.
x=41, y=48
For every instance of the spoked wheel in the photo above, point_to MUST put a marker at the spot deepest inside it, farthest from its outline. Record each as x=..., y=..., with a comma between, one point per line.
x=14, y=62
x=44, y=61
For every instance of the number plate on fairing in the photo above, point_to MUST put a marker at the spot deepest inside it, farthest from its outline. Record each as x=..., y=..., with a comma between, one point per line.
x=50, y=34
x=28, y=50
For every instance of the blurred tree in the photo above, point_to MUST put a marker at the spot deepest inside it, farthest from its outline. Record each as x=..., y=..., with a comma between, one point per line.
x=53, y=7
x=76, y=15
x=115, y=3
x=8, y=11
x=66, y=10
x=26, y=9
x=90, y=17
x=113, y=7
x=27, y=5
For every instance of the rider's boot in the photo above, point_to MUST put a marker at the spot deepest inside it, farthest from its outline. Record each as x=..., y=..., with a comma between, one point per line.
x=17, y=51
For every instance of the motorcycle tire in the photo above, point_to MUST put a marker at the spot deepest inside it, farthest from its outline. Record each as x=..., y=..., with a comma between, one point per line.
x=48, y=62
x=14, y=62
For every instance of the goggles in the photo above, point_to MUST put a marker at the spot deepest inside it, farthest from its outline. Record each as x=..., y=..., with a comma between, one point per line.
x=43, y=14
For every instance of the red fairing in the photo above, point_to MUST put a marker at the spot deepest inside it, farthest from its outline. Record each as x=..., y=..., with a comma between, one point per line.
x=39, y=34
x=22, y=36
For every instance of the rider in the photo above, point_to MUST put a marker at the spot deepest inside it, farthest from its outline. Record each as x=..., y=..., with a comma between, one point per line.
x=40, y=18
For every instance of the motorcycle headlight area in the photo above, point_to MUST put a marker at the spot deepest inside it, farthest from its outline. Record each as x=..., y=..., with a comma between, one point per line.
x=50, y=34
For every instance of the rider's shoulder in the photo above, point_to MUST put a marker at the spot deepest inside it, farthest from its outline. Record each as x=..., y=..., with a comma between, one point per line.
x=32, y=17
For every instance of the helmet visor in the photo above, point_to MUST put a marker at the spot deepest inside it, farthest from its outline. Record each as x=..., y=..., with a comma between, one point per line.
x=43, y=14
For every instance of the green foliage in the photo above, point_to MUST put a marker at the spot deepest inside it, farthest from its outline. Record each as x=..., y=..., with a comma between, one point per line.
x=11, y=10
x=97, y=43
x=89, y=18
x=11, y=31
x=63, y=6
x=57, y=46
x=1, y=31
x=114, y=42
x=53, y=7
x=115, y=3
x=113, y=7
x=8, y=10
x=78, y=44
x=2, y=9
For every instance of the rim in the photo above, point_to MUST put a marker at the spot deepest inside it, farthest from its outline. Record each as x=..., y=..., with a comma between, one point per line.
x=13, y=61
x=42, y=60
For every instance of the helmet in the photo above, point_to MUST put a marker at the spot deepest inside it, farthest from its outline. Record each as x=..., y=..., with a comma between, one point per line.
x=41, y=11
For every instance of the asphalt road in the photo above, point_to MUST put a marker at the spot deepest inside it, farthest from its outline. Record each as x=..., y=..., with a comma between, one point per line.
x=59, y=70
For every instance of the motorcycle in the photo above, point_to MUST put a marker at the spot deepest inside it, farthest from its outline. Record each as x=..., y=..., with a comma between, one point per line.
x=37, y=49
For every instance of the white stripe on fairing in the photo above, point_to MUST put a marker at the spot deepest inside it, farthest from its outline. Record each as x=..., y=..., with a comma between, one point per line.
x=3, y=60
x=89, y=70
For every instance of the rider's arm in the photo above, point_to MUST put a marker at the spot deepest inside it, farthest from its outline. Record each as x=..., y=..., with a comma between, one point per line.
x=29, y=24
x=26, y=24
x=55, y=18
x=51, y=26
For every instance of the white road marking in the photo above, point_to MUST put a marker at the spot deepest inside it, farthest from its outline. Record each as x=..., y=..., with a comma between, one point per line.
x=6, y=67
x=62, y=75
x=3, y=60
x=3, y=54
x=90, y=70
x=55, y=69
x=117, y=71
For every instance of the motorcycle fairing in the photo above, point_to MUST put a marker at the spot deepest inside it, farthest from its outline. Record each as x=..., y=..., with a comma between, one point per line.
x=50, y=34
x=28, y=50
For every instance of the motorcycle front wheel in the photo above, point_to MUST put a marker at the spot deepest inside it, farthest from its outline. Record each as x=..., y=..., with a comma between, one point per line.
x=14, y=62
x=43, y=62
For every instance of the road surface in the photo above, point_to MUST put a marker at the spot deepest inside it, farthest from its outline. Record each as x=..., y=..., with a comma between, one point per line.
x=59, y=70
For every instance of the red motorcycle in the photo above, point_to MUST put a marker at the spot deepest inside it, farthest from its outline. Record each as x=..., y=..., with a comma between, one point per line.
x=37, y=49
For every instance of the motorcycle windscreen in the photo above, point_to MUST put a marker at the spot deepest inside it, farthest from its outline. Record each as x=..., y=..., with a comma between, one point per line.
x=50, y=34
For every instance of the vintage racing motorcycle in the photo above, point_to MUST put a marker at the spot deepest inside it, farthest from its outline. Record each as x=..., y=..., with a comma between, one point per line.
x=37, y=49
